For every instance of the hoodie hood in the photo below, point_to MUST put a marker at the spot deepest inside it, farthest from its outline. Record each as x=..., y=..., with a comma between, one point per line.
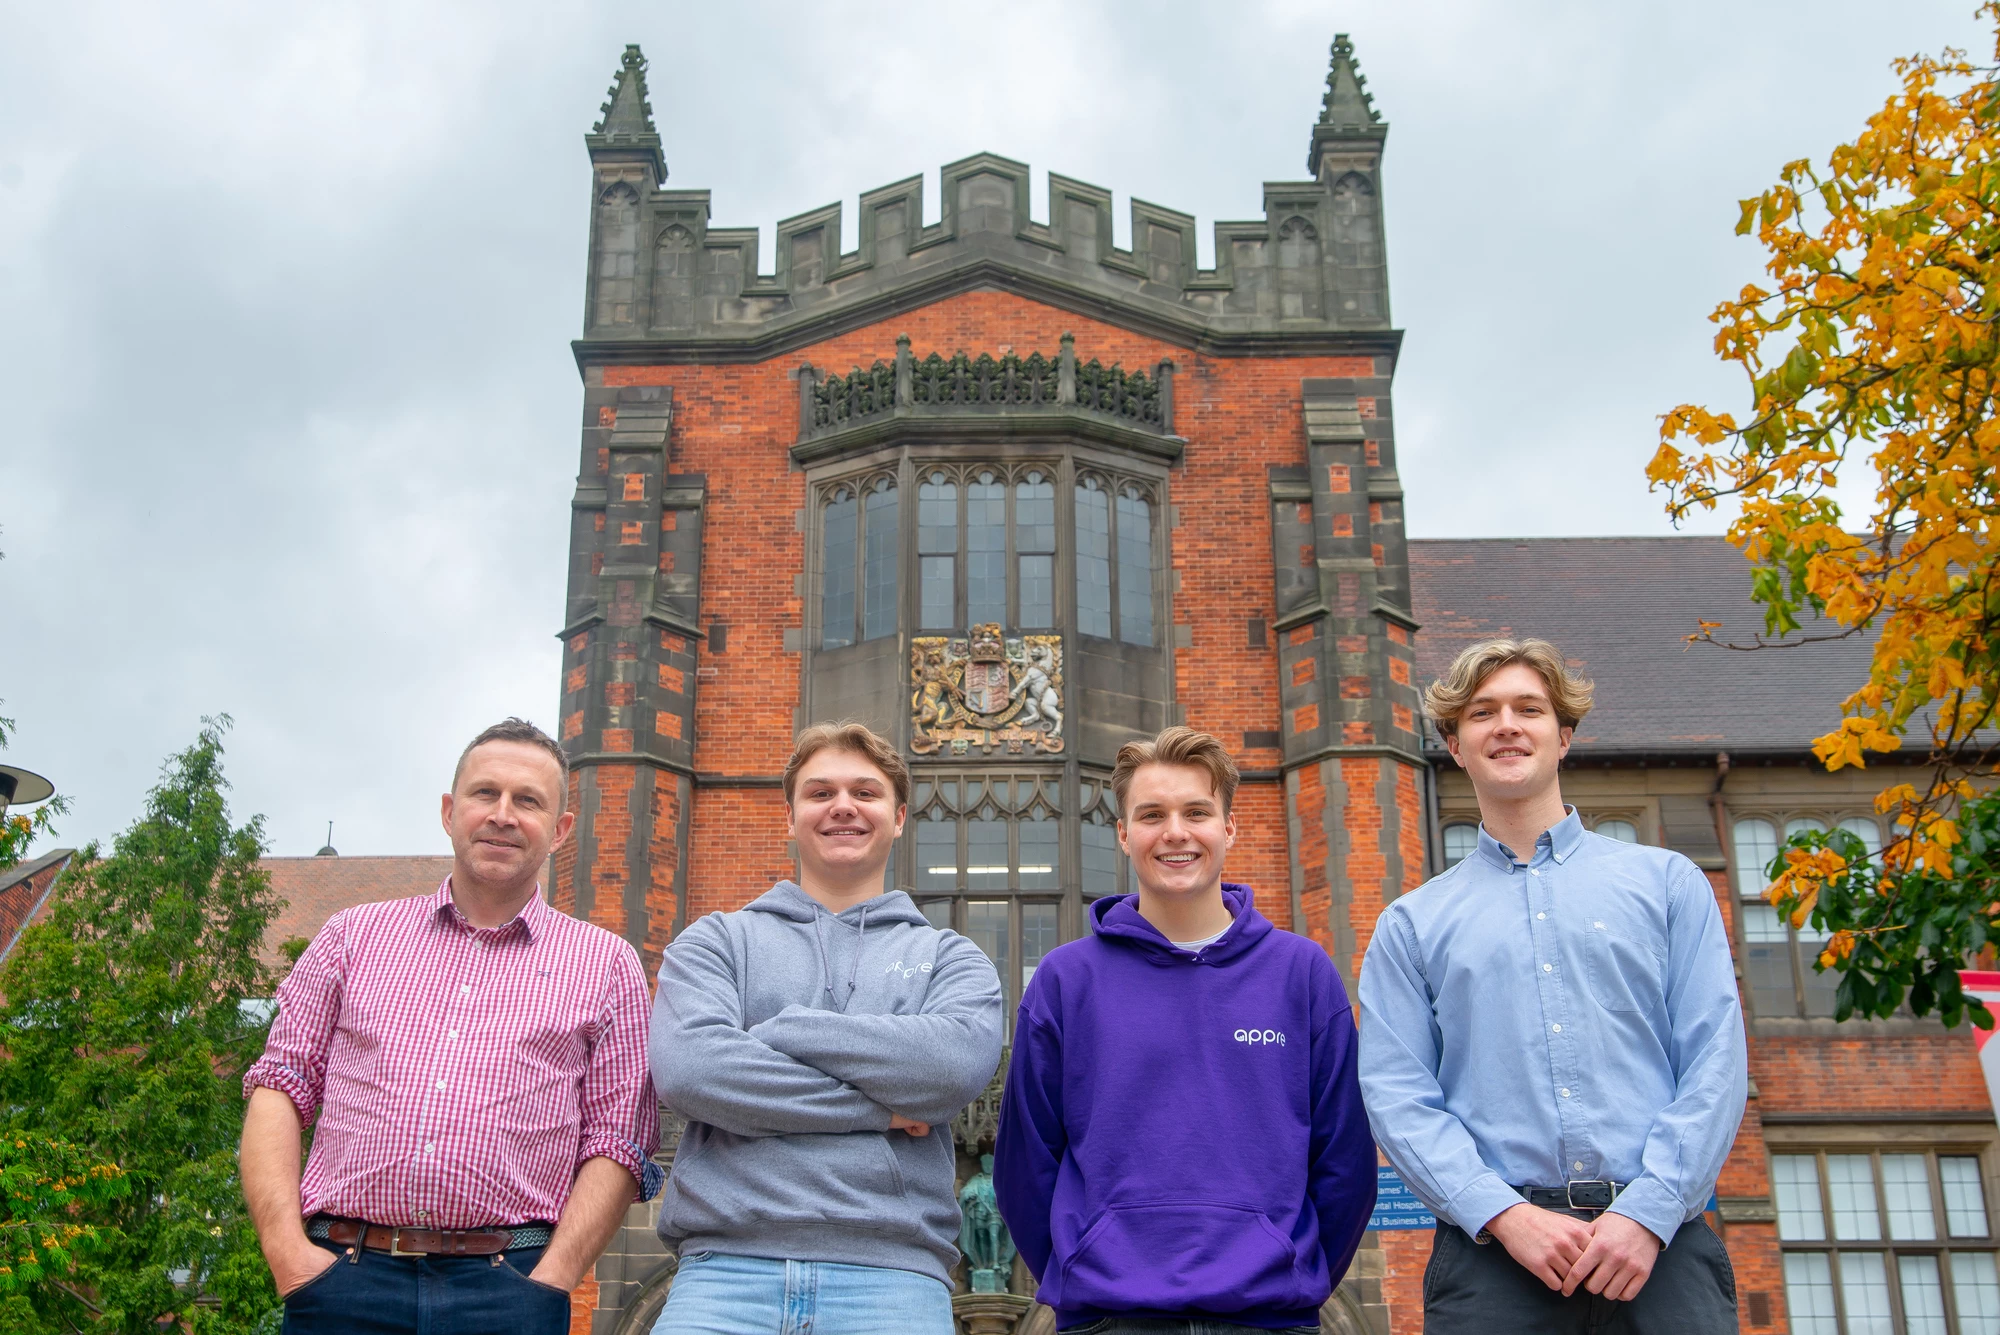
x=787, y=900
x=1116, y=918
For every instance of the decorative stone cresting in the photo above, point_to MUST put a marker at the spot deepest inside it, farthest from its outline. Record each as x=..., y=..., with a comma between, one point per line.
x=965, y=384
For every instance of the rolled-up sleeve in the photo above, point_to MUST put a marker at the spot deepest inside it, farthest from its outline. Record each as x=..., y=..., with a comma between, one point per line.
x=294, y=1060
x=620, y=1112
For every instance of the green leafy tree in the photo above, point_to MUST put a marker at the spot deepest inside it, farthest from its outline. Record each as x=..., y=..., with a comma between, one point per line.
x=47, y=1186
x=126, y=1035
x=1873, y=343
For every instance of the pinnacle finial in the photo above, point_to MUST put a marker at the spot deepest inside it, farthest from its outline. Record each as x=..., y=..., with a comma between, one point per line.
x=1347, y=113
x=1347, y=103
x=627, y=115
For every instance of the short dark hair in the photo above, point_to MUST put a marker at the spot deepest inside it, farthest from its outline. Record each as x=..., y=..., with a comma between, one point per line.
x=858, y=738
x=518, y=730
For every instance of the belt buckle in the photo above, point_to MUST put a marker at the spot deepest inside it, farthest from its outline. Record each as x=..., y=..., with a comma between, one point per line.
x=395, y=1237
x=1569, y=1191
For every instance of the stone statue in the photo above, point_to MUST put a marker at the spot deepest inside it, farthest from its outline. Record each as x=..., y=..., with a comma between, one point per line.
x=982, y=1234
x=1041, y=704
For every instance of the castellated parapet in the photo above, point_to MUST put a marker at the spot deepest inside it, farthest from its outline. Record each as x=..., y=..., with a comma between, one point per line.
x=665, y=283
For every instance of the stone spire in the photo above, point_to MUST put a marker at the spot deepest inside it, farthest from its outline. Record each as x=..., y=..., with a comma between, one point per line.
x=1347, y=112
x=626, y=129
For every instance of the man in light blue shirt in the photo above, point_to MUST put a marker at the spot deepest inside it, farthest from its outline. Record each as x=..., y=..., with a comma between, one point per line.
x=1552, y=1047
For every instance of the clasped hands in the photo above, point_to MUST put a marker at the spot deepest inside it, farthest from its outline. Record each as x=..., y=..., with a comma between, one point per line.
x=1612, y=1255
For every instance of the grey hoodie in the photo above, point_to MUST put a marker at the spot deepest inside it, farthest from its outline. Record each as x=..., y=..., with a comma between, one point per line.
x=786, y=1035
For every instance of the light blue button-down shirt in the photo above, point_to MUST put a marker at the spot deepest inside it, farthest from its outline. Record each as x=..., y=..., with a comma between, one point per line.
x=1575, y=1018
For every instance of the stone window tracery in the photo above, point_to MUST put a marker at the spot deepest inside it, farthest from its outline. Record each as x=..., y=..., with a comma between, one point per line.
x=984, y=858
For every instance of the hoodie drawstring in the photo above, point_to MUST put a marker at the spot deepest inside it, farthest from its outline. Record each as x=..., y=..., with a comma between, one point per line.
x=826, y=964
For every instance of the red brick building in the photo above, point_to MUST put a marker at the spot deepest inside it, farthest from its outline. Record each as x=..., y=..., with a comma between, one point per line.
x=1013, y=495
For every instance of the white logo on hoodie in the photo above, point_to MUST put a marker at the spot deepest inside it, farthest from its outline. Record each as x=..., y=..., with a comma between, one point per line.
x=1260, y=1036
x=910, y=972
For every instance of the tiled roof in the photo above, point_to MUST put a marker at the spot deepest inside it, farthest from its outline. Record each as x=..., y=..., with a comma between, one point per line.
x=24, y=889
x=1620, y=609
x=317, y=888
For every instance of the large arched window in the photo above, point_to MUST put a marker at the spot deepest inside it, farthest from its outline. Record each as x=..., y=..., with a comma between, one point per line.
x=989, y=543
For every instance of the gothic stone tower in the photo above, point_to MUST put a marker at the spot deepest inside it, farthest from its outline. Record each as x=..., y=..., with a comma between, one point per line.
x=1012, y=495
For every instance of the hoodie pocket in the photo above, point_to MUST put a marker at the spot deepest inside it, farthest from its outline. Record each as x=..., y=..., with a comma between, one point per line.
x=1182, y=1255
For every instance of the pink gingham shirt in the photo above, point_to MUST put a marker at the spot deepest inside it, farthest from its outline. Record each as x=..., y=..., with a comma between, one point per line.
x=460, y=1076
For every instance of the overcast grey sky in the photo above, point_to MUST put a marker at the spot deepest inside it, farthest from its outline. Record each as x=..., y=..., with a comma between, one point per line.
x=287, y=409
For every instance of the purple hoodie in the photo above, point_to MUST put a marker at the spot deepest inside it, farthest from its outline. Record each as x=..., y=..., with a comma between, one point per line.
x=1182, y=1133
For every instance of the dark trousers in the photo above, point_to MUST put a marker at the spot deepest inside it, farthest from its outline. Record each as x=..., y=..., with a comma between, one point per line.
x=374, y=1293
x=1470, y=1289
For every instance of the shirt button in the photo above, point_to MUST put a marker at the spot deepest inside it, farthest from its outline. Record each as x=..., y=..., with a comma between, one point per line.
x=452, y=1035
x=428, y=1148
x=440, y=1084
x=465, y=987
x=1540, y=916
x=1578, y=1165
x=1548, y=968
x=423, y=1214
x=1533, y=872
x=1558, y=1028
x=1598, y=925
x=1563, y=1092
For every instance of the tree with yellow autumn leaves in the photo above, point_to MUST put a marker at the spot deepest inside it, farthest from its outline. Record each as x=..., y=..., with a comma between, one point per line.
x=1876, y=342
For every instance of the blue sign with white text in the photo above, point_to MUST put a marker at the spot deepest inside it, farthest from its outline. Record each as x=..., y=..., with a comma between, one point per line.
x=1396, y=1206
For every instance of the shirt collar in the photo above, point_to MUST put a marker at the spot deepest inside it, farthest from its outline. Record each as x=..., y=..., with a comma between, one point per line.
x=1558, y=841
x=530, y=920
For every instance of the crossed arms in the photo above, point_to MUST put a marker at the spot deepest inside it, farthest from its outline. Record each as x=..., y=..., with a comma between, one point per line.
x=806, y=1071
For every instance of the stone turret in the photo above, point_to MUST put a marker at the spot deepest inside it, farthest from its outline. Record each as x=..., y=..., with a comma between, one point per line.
x=1346, y=160
x=1303, y=278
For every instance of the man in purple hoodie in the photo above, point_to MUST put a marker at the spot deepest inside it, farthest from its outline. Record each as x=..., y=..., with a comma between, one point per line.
x=1182, y=1141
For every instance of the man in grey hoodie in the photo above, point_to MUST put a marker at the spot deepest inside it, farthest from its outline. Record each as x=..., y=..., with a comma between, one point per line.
x=819, y=1042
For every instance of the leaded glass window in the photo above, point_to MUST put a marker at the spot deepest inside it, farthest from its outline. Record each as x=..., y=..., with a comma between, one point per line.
x=1861, y=1233
x=1114, y=560
x=1460, y=840
x=988, y=861
x=1135, y=567
x=1035, y=549
x=937, y=551
x=859, y=539
x=1778, y=955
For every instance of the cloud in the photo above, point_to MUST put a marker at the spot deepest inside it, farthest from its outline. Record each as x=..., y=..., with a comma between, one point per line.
x=287, y=413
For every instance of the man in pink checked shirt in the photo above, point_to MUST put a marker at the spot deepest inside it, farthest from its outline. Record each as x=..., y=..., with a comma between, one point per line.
x=476, y=1063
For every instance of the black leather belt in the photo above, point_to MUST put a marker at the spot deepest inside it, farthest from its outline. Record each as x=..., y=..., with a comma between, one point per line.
x=406, y=1241
x=1589, y=1194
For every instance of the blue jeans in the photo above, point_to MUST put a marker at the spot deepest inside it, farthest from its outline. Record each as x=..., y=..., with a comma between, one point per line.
x=374, y=1293
x=714, y=1294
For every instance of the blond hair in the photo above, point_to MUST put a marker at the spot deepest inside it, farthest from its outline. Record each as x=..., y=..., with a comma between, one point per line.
x=1176, y=746
x=857, y=738
x=1446, y=699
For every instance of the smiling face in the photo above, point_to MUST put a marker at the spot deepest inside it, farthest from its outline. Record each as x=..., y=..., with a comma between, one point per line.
x=504, y=814
x=1508, y=740
x=844, y=820
x=1175, y=831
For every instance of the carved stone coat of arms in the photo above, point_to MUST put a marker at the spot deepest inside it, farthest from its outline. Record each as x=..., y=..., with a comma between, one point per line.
x=986, y=690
